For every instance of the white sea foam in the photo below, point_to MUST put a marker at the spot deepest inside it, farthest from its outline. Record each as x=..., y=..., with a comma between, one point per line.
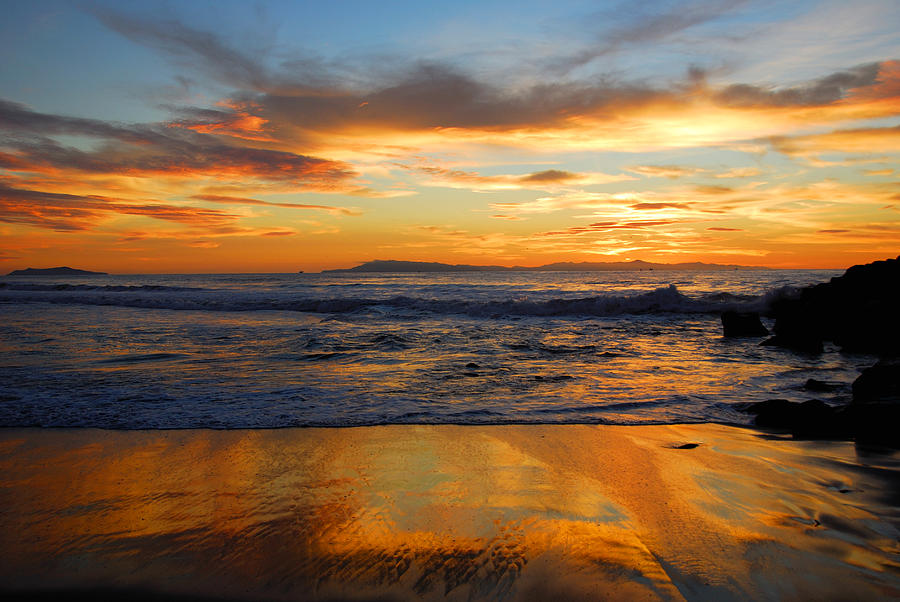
x=266, y=351
x=666, y=299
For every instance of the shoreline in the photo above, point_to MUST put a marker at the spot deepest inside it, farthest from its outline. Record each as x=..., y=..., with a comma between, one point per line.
x=396, y=512
x=302, y=427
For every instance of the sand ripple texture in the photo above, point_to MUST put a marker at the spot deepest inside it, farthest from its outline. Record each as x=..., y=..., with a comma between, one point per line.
x=448, y=513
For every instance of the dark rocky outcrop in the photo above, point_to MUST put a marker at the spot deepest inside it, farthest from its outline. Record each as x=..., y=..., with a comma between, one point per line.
x=869, y=423
x=739, y=324
x=820, y=386
x=874, y=413
x=875, y=423
x=795, y=330
x=859, y=311
x=808, y=420
x=879, y=383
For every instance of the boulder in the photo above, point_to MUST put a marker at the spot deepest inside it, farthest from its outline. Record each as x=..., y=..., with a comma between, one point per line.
x=858, y=311
x=795, y=327
x=772, y=412
x=804, y=344
x=868, y=423
x=879, y=383
x=820, y=386
x=741, y=324
x=872, y=423
x=812, y=419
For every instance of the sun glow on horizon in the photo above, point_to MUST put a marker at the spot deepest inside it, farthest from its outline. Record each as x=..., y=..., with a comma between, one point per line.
x=635, y=133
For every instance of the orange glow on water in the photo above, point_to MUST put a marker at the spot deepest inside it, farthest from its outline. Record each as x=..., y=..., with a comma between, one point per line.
x=476, y=511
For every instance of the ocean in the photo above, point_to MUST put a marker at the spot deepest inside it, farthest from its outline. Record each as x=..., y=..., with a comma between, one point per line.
x=233, y=351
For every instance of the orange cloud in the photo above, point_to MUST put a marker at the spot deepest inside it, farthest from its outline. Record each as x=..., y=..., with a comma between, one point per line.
x=667, y=171
x=862, y=140
x=862, y=233
x=302, y=129
x=659, y=206
x=437, y=106
x=673, y=172
x=71, y=212
x=150, y=150
x=606, y=227
x=542, y=180
x=236, y=121
x=217, y=198
x=738, y=172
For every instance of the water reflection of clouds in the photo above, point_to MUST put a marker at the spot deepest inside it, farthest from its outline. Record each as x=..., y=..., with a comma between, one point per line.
x=470, y=512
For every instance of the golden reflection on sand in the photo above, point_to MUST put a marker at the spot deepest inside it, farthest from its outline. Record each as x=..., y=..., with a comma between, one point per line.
x=450, y=513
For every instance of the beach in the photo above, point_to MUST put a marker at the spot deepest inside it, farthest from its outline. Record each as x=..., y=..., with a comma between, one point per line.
x=458, y=302
x=490, y=436
x=511, y=512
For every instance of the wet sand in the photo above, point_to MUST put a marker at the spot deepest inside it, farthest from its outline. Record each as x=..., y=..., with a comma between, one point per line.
x=697, y=512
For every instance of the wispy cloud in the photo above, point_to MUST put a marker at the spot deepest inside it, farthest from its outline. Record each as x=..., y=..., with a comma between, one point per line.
x=644, y=25
x=149, y=149
x=861, y=140
x=674, y=172
x=201, y=49
x=235, y=120
x=323, y=103
x=608, y=226
x=549, y=179
x=738, y=172
x=71, y=212
x=819, y=92
x=217, y=198
x=665, y=171
x=550, y=142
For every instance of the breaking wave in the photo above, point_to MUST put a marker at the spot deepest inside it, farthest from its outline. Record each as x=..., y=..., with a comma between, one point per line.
x=108, y=288
x=667, y=299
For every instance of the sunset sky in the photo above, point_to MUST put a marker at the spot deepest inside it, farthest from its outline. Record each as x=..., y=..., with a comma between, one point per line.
x=277, y=136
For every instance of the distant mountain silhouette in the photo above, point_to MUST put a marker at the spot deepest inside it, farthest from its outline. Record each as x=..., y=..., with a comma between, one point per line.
x=633, y=266
x=61, y=271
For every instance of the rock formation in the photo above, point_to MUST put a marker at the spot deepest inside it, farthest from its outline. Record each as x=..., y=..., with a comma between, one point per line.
x=738, y=324
x=859, y=311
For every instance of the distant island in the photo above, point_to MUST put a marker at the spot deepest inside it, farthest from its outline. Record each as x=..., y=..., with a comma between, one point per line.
x=566, y=266
x=60, y=271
